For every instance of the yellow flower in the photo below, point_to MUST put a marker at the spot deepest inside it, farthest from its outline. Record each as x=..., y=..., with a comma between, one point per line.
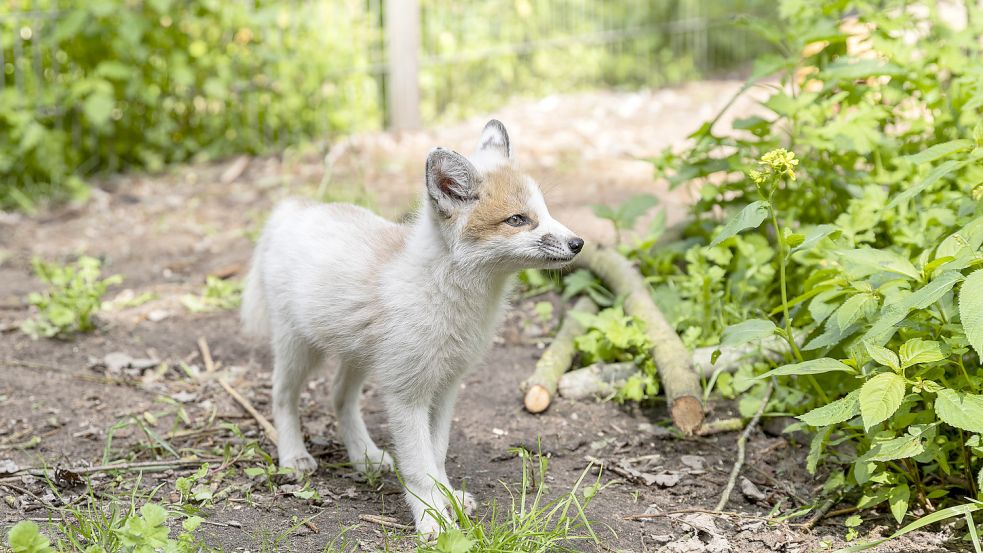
x=780, y=162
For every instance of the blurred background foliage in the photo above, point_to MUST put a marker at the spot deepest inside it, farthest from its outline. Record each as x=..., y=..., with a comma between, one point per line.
x=95, y=86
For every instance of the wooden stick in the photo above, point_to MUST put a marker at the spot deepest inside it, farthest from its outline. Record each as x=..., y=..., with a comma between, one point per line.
x=741, y=445
x=599, y=380
x=146, y=466
x=721, y=425
x=268, y=428
x=541, y=386
x=384, y=521
x=673, y=360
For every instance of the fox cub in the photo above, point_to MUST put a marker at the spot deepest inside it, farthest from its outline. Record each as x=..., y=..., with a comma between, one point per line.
x=415, y=306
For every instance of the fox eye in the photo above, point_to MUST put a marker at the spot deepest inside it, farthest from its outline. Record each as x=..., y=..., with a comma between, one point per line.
x=517, y=220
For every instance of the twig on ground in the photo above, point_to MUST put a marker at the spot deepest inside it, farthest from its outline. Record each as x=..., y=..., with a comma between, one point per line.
x=720, y=426
x=384, y=521
x=741, y=445
x=268, y=428
x=733, y=514
x=145, y=466
x=819, y=513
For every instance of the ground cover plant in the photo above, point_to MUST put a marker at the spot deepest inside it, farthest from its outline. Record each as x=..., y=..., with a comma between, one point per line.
x=846, y=217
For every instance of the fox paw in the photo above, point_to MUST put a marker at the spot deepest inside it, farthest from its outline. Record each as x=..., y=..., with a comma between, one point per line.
x=377, y=461
x=302, y=464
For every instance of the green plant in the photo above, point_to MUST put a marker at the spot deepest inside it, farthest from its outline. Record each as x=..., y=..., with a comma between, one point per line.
x=531, y=524
x=73, y=296
x=93, y=532
x=864, y=247
x=112, y=85
x=218, y=294
x=624, y=216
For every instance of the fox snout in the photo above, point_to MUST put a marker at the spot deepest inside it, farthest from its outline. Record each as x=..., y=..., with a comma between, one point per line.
x=561, y=249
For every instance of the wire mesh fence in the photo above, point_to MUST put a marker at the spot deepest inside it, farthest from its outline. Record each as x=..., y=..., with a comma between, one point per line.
x=105, y=85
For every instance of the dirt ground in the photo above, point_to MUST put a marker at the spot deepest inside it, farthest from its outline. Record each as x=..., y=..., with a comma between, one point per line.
x=164, y=233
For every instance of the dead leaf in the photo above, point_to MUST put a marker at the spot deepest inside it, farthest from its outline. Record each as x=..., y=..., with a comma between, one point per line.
x=751, y=491
x=695, y=462
x=668, y=479
x=8, y=467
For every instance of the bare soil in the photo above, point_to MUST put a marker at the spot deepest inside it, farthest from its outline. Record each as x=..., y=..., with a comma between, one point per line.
x=164, y=233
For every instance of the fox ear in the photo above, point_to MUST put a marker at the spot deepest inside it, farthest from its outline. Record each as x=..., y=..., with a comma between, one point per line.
x=451, y=180
x=495, y=139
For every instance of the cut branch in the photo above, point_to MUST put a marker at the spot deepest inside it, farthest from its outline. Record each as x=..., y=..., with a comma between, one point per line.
x=541, y=386
x=674, y=362
x=599, y=380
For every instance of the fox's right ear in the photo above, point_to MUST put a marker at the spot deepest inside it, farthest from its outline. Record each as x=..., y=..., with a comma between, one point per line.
x=452, y=180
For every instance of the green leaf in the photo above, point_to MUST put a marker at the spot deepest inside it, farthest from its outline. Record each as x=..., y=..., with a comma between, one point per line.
x=936, y=174
x=883, y=356
x=960, y=409
x=814, y=366
x=917, y=351
x=852, y=309
x=635, y=207
x=940, y=150
x=98, y=108
x=814, y=236
x=871, y=260
x=25, y=537
x=744, y=332
x=750, y=217
x=937, y=516
x=880, y=397
x=899, y=501
x=836, y=412
x=892, y=449
x=453, y=540
x=891, y=315
x=971, y=310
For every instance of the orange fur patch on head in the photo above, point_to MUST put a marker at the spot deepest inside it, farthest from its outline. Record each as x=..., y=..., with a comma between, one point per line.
x=503, y=194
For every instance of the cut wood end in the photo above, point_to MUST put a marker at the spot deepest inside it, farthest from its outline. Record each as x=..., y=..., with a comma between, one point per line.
x=537, y=399
x=687, y=414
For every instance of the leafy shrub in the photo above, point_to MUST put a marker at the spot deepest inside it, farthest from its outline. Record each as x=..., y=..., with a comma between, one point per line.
x=115, y=84
x=862, y=249
x=74, y=295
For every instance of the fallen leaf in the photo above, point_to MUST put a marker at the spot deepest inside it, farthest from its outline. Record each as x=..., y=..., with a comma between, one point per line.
x=668, y=479
x=751, y=491
x=695, y=462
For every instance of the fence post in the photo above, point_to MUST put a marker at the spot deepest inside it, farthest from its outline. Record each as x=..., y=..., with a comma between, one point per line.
x=402, y=27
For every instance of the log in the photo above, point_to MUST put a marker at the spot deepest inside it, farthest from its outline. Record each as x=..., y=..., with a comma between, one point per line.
x=731, y=358
x=674, y=362
x=599, y=380
x=541, y=386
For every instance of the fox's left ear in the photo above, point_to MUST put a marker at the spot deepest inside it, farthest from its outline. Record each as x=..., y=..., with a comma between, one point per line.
x=495, y=139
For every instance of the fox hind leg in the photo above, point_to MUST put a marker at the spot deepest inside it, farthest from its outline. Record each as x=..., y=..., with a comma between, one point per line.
x=293, y=363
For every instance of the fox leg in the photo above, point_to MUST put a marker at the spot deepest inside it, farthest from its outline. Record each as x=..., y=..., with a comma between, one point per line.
x=347, y=395
x=293, y=363
x=442, y=413
x=409, y=422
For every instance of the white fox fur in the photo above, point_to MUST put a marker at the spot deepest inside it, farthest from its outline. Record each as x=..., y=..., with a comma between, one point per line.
x=415, y=306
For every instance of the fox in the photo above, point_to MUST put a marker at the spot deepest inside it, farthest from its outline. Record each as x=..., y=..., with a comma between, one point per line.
x=413, y=306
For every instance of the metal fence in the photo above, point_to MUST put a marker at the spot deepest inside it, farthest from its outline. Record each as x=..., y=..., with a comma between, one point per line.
x=472, y=55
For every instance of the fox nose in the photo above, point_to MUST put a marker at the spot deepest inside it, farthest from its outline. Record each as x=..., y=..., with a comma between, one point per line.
x=575, y=244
